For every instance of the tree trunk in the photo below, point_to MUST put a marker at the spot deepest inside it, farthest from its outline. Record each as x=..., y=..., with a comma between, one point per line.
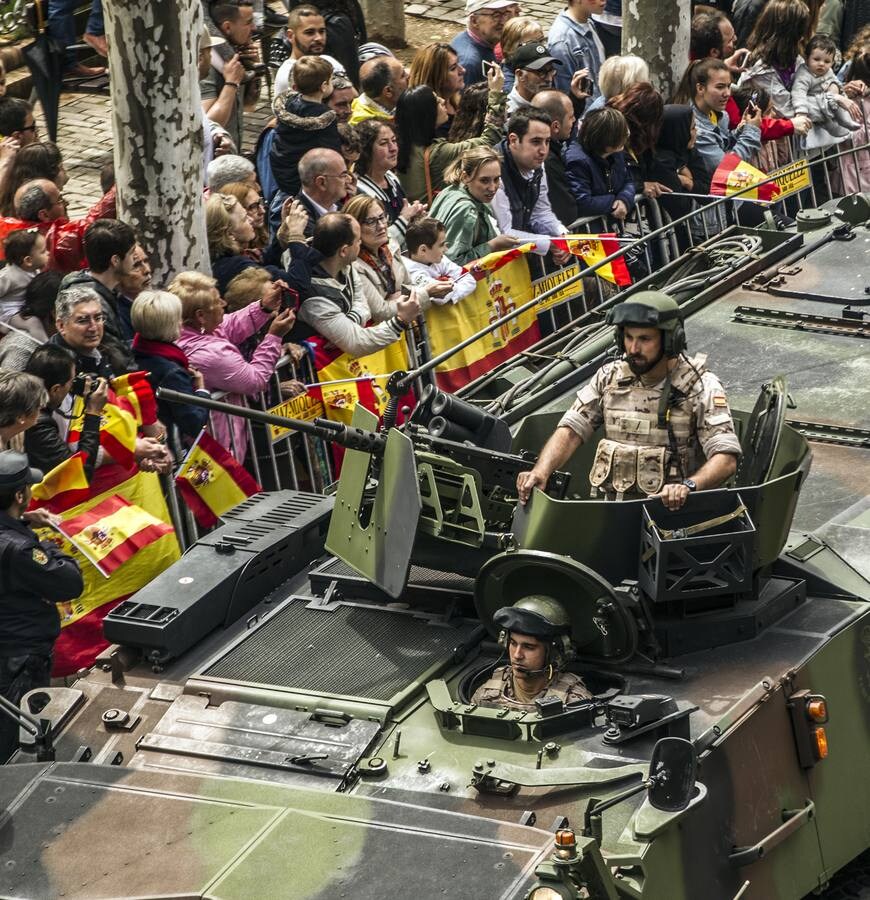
x=157, y=122
x=659, y=33
x=385, y=21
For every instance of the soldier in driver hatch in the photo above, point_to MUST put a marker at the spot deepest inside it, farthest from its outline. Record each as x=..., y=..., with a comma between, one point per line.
x=536, y=632
x=668, y=430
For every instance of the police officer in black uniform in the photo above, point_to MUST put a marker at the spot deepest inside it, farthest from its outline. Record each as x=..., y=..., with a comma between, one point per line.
x=34, y=576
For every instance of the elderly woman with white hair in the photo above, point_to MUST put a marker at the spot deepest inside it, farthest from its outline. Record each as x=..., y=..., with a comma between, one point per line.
x=228, y=170
x=156, y=318
x=617, y=75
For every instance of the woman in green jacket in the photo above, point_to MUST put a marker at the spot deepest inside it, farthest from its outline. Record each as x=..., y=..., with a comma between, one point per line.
x=463, y=206
x=423, y=157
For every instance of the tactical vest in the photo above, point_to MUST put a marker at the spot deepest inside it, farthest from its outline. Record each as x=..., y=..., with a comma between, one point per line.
x=636, y=459
x=497, y=690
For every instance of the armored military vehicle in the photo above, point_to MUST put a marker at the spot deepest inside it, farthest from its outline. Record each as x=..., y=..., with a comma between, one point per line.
x=286, y=712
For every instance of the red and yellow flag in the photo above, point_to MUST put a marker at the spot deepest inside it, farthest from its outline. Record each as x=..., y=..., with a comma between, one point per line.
x=63, y=487
x=592, y=249
x=81, y=637
x=734, y=174
x=347, y=380
x=118, y=430
x=503, y=286
x=494, y=261
x=212, y=481
x=113, y=532
x=133, y=392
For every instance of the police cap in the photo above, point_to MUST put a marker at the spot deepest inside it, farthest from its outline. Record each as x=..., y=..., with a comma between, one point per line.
x=537, y=615
x=647, y=309
x=15, y=472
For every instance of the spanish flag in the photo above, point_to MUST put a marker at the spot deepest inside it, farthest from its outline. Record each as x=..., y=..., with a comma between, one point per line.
x=133, y=392
x=212, y=481
x=118, y=430
x=504, y=284
x=734, y=174
x=492, y=262
x=113, y=532
x=81, y=636
x=347, y=380
x=592, y=249
x=63, y=487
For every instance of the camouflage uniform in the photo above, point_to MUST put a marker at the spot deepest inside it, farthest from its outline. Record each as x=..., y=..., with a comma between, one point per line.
x=498, y=690
x=634, y=459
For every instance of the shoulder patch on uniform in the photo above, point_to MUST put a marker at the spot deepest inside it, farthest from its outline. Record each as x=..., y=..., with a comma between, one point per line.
x=720, y=401
x=39, y=556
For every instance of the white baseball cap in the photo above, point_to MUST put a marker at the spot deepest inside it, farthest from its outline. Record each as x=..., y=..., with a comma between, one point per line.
x=476, y=6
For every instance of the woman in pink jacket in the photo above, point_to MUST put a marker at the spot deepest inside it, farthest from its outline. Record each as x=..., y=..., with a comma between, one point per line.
x=211, y=342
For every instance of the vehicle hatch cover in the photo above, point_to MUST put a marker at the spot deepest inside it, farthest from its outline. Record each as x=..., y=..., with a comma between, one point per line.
x=601, y=626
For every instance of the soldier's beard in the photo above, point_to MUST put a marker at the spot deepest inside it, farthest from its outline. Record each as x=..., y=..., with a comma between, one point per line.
x=640, y=366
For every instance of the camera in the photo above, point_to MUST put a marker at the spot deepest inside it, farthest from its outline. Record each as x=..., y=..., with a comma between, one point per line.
x=83, y=385
x=256, y=70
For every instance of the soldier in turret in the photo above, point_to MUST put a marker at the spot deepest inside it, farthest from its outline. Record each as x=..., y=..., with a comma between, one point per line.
x=668, y=429
x=536, y=634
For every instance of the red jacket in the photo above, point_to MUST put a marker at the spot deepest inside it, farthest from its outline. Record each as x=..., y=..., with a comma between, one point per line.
x=65, y=237
x=771, y=129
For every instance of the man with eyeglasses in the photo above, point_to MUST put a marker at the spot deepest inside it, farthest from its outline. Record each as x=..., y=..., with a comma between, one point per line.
x=80, y=322
x=475, y=46
x=325, y=179
x=110, y=248
x=534, y=71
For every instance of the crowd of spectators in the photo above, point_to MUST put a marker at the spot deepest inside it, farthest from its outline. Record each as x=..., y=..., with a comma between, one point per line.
x=375, y=183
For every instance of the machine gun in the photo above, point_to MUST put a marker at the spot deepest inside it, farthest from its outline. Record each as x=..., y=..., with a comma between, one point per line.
x=404, y=491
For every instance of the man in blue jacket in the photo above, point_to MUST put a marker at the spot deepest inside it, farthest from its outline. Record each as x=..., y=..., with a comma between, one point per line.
x=476, y=45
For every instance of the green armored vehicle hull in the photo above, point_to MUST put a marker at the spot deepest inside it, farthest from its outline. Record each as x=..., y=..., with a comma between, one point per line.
x=287, y=710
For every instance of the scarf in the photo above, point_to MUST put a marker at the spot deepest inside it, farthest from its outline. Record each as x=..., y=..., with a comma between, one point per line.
x=172, y=352
x=383, y=266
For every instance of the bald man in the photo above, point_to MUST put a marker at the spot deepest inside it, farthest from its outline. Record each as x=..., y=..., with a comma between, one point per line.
x=383, y=80
x=561, y=111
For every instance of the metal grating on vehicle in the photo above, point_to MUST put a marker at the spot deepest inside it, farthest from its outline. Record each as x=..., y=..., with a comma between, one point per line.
x=347, y=650
x=277, y=508
x=419, y=575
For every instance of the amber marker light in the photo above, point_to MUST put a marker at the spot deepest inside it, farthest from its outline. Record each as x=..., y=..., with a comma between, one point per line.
x=820, y=739
x=817, y=709
x=565, y=838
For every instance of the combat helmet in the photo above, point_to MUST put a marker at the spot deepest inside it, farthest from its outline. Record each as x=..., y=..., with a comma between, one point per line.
x=542, y=617
x=651, y=309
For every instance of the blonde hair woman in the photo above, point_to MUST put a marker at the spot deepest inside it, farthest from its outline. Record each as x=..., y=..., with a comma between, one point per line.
x=211, y=342
x=463, y=207
x=156, y=319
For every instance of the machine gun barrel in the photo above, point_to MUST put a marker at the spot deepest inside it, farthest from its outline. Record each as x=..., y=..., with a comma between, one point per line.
x=349, y=438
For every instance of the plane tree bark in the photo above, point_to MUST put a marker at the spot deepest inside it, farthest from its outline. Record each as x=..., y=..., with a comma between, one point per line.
x=659, y=33
x=157, y=123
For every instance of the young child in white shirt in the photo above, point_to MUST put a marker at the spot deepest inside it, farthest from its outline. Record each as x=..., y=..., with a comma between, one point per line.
x=26, y=255
x=426, y=240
